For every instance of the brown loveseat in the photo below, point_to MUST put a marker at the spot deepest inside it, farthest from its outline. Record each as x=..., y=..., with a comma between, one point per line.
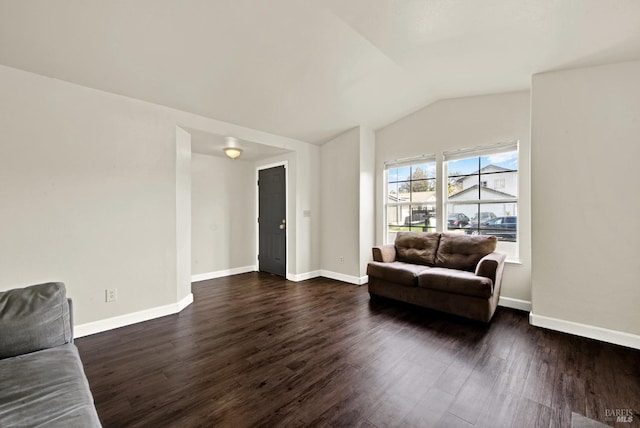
x=454, y=273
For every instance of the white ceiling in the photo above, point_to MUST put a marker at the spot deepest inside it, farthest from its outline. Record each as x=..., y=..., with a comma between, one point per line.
x=213, y=144
x=310, y=69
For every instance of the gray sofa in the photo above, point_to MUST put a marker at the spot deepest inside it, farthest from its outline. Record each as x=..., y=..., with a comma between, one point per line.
x=454, y=273
x=42, y=381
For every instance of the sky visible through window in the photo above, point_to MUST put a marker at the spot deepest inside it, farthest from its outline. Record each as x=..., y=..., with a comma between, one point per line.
x=508, y=160
x=404, y=172
x=466, y=166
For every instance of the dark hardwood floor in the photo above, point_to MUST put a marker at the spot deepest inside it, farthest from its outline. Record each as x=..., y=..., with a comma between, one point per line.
x=256, y=350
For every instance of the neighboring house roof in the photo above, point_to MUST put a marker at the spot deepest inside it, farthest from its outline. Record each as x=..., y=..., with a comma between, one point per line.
x=484, y=189
x=495, y=168
x=486, y=170
x=417, y=197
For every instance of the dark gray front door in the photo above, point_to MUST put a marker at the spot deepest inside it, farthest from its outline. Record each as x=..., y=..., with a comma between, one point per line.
x=271, y=220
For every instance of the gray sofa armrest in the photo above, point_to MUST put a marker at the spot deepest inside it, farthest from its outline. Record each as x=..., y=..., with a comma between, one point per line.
x=70, y=302
x=384, y=253
x=491, y=266
x=33, y=318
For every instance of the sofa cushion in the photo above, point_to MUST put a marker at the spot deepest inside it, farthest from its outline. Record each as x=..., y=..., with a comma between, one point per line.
x=397, y=272
x=458, y=251
x=417, y=247
x=456, y=281
x=46, y=388
x=33, y=318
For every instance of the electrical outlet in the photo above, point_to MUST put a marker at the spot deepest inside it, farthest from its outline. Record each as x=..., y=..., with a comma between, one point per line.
x=111, y=295
x=341, y=259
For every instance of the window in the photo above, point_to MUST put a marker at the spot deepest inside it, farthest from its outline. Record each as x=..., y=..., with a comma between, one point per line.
x=482, y=187
x=410, y=202
x=479, y=194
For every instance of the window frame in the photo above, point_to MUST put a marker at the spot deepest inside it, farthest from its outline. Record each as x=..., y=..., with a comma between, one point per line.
x=441, y=180
x=409, y=162
x=480, y=152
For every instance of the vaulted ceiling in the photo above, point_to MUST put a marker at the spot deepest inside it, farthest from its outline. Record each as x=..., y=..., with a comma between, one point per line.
x=310, y=69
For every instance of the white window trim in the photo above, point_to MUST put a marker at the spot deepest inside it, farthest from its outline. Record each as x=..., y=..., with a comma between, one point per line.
x=441, y=189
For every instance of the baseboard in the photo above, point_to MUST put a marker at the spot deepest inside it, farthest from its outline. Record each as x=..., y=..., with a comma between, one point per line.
x=357, y=280
x=221, y=273
x=132, y=318
x=328, y=274
x=521, y=305
x=584, y=330
x=183, y=303
x=303, y=276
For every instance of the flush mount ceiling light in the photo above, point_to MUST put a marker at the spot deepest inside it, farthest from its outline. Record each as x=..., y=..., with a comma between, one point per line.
x=232, y=150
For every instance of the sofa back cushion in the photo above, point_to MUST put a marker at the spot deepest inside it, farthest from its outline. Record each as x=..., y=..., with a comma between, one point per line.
x=417, y=247
x=458, y=251
x=33, y=318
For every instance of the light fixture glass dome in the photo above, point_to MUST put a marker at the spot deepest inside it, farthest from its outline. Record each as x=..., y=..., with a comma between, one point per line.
x=232, y=150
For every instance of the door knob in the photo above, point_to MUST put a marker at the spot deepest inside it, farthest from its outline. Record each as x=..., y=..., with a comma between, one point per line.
x=283, y=225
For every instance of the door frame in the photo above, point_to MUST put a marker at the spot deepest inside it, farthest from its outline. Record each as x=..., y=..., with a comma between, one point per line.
x=284, y=163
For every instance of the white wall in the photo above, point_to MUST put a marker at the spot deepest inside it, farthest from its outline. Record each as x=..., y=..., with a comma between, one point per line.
x=183, y=214
x=585, y=151
x=88, y=191
x=92, y=186
x=367, y=209
x=223, y=221
x=340, y=196
x=347, y=208
x=464, y=123
x=307, y=198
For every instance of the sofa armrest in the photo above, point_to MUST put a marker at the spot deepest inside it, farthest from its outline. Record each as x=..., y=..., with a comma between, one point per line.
x=33, y=318
x=70, y=303
x=384, y=253
x=491, y=266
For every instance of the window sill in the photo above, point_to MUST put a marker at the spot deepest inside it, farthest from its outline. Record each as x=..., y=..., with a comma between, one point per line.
x=513, y=262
